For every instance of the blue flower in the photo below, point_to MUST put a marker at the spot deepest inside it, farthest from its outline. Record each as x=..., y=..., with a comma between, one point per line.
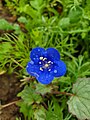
x=45, y=64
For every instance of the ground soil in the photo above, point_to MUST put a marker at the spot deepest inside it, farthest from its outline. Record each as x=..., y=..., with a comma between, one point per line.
x=9, y=84
x=9, y=87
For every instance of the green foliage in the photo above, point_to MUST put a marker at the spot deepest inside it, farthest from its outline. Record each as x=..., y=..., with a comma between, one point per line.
x=78, y=68
x=29, y=96
x=75, y=14
x=32, y=103
x=40, y=114
x=61, y=24
x=79, y=104
x=13, y=52
x=42, y=89
x=4, y=25
x=27, y=110
x=54, y=111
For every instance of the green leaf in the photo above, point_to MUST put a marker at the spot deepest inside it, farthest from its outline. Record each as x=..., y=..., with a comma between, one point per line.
x=5, y=47
x=4, y=25
x=64, y=22
x=27, y=110
x=36, y=4
x=30, y=11
x=75, y=14
x=79, y=104
x=22, y=19
x=54, y=111
x=29, y=96
x=43, y=89
x=39, y=114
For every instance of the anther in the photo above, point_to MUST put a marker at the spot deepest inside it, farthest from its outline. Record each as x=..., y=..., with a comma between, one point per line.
x=40, y=63
x=41, y=58
x=49, y=62
x=44, y=59
x=41, y=69
x=49, y=70
x=46, y=65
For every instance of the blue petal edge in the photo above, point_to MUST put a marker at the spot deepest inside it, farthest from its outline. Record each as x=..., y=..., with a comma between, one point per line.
x=33, y=69
x=59, y=69
x=36, y=53
x=53, y=54
x=45, y=78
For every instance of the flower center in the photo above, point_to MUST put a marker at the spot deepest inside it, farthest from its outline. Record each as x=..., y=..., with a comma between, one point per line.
x=45, y=63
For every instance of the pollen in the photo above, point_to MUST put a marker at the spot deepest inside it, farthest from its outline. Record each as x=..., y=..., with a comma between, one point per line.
x=49, y=70
x=40, y=63
x=44, y=59
x=41, y=69
x=46, y=65
x=41, y=58
x=49, y=62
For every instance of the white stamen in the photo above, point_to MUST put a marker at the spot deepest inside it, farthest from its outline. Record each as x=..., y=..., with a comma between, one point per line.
x=41, y=58
x=49, y=70
x=41, y=69
x=44, y=59
x=49, y=62
x=55, y=71
x=40, y=63
x=46, y=65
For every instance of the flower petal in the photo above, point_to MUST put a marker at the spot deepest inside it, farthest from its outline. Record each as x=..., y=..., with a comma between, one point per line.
x=53, y=54
x=33, y=69
x=36, y=53
x=59, y=69
x=45, y=78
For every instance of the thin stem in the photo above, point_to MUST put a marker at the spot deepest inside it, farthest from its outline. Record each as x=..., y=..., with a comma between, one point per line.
x=63, y=93
x=26, y=80
x=6, y=105
x=17, y=63
x=45, y=106
x=53, y=92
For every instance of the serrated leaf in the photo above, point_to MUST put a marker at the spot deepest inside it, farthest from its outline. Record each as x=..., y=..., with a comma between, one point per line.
x=29, y=96
x=27, y=110
x=42, y=89
x=54, y=111
x=40, y=114
x=79, y=104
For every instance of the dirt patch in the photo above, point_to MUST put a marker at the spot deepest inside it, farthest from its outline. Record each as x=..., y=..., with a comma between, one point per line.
x=9, y=87
x=10, y=113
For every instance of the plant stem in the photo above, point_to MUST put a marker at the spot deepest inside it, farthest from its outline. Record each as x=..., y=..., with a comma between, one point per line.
x=6, y=105
x=17, y=63
x=53, y=92
x=63, y=93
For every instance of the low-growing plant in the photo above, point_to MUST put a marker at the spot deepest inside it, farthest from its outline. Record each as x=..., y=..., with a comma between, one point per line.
x=63, y=26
